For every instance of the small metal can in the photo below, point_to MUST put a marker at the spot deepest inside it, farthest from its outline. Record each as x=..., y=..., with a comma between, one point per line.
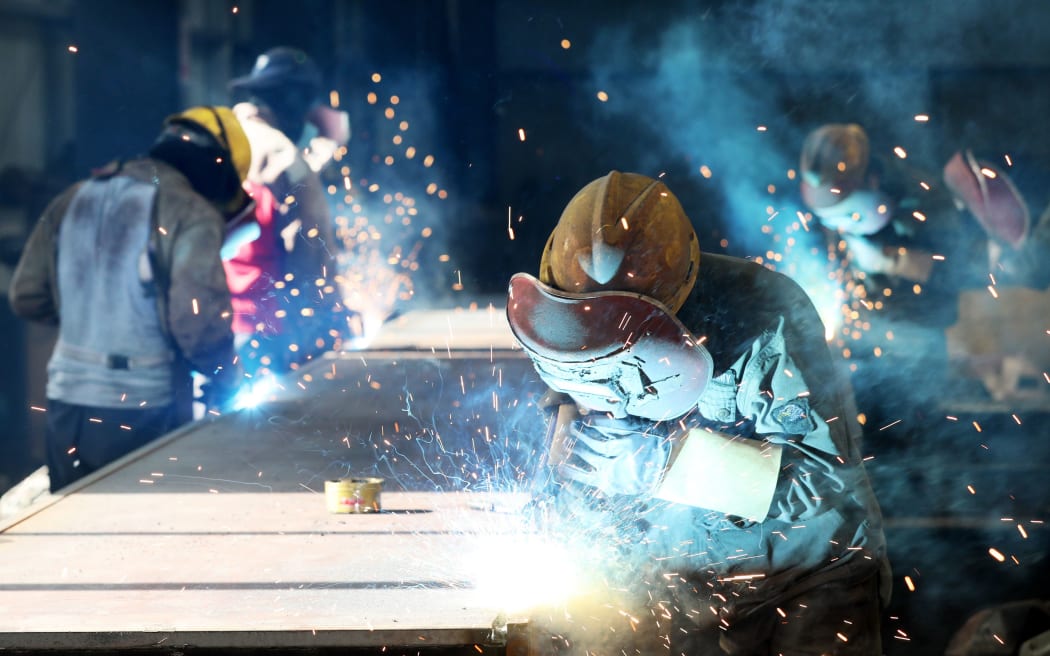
x=353, y=495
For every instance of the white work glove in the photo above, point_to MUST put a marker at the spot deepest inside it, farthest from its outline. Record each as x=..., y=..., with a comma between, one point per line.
x=867, y=256
x=616, y=456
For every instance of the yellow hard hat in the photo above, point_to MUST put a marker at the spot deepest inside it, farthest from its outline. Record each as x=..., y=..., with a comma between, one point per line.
x=834, y=163
x=624, y=232
x=224, y=126
x=220, y=132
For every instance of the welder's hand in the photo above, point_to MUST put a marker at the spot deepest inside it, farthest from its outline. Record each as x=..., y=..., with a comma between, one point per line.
x=244, y=233
x=616, y=456
x=219, y=392
x=216, y=397
x=868, y=256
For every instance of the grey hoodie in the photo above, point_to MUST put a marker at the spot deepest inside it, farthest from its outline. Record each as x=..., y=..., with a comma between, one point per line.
x=127, y=264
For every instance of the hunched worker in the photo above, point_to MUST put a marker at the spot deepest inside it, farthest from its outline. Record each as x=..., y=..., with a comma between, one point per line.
x=694, y=399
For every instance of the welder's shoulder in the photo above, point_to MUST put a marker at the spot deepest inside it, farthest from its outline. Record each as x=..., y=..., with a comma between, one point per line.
x=760, y=299
x=760, y=289
x=177, y=202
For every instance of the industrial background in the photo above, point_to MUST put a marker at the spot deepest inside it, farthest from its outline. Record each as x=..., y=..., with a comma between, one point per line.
x=489, y=115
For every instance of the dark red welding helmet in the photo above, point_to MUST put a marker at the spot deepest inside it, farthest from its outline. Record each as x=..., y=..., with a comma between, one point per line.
x=616, y=352
x=990, y=196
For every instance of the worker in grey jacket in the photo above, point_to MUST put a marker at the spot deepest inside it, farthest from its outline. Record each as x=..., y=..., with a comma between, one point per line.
x=127, y=264
x=699, y=407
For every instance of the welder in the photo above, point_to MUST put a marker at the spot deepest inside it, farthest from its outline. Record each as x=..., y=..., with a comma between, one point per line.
x=997, y=337
x=910, y=251
x=915, y=241
x=278, y=300
x=127, y=265
x=693, y=396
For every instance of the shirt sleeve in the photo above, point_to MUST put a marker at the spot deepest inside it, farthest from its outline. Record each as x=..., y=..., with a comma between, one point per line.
x=199, y=312
x=774, y=394
x=33, y=293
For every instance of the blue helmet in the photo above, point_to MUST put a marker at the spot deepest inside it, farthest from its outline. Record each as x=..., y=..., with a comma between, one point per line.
x=280, y=68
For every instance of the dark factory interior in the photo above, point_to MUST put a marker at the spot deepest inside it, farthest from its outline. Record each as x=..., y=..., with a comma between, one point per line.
x=472, y=125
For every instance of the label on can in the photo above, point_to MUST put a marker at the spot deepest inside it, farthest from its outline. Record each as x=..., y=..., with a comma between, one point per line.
x=353, y=495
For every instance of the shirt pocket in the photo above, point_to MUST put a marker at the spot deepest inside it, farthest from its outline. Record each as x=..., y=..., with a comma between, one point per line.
x=718, y=402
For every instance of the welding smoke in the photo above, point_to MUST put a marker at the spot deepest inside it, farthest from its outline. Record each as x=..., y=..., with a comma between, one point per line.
x=733, y=88
x=737, y=87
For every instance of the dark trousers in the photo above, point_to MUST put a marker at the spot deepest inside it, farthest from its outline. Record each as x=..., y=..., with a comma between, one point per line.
x=836, y=619
x=81, y=439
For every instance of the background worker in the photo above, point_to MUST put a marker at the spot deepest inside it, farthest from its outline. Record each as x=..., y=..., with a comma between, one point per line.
x=279, y=281
x=917, y=242
x=997, y=338
x=127, y=264
x=701, y=428
x=910, y=251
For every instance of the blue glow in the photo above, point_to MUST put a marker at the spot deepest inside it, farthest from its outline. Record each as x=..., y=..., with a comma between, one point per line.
x=255, y=392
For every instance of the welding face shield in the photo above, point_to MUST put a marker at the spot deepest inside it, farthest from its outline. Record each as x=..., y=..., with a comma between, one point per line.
x=862, y=212
x=616, y=352
x=990, y=195
x=838, y=183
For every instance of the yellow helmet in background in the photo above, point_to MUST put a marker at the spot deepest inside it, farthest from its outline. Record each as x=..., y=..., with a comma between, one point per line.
x=209, y=146
x=624, y=232
x=224, y=126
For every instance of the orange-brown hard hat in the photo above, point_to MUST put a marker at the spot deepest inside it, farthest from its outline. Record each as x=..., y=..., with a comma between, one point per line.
x=834, y=163
x=624, y=232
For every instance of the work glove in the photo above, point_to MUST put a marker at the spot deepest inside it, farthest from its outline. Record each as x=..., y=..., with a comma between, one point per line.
x=219, y=391
x=616, y=456
x=216, y=397
x=868, y=256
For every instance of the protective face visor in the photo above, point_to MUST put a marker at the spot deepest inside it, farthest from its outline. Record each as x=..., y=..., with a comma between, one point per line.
x=990, y=196
x=614, y=352
x=200, y=156
x=844, y=204
x=862, y=212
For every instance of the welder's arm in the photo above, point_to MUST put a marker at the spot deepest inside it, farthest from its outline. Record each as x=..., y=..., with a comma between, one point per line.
x=910, y=264
x=733, y=475
x=33, y=293
x=199, y=311
x=333, y=132
x=757, y=475
x=32, y=290
x=309, y=240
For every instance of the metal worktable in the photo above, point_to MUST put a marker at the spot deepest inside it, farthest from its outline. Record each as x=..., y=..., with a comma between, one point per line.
x=217, y=536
